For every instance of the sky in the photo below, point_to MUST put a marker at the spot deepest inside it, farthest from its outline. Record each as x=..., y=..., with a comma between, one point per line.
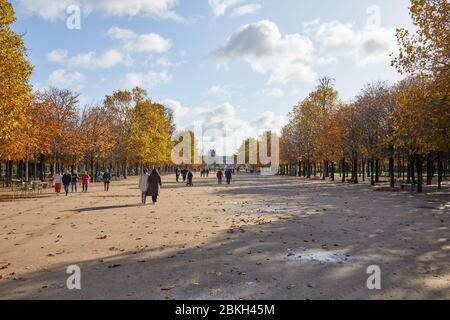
x=227, y=68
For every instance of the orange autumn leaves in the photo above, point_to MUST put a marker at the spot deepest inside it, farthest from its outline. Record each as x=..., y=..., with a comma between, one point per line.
x=15, y=71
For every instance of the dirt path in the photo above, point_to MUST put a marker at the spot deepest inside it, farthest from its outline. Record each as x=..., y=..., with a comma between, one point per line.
x=261, y=238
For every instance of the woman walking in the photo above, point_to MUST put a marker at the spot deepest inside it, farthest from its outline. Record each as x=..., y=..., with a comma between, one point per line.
x=154, y=186
x=143, y=186
x=85, y=179
x=58, y=183
x=219, y=176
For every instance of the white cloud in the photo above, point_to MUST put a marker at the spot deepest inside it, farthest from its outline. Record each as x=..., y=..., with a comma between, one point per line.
x=267, y=51
x=88, y=60
x=63, y=78
x=55, y=9
x=145, y=80
x=219, y=91
x=372, y=44
x=165, y=62
x=274, y=92
x=219, y=7
x=140, y=43
x=246, y=9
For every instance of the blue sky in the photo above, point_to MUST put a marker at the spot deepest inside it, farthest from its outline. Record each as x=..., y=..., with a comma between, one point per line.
x=238, y=65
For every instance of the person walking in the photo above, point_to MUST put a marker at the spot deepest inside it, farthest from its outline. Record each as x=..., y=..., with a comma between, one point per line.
x=143, y=186
x=219, y=176
x=184, y=173
x=85, y=179
x=66, y=180
x=190, y=179
x=207, y=172
x=228, y=175
x=107, y=180
x=177, y=174
x=58, y=183
x=154, y=186
x=74, y=182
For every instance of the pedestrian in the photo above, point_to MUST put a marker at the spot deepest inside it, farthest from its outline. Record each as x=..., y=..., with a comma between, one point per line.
x=85, y=179
x=58, y=183
x=177, y=174
x=190, y=179
x=154, y=186
x=219, y=176
x=107, y=180
x=74, y=182
x=66, y=180
x=184, y=173
x=143, y=186
x=228, y=175
x=207, y=172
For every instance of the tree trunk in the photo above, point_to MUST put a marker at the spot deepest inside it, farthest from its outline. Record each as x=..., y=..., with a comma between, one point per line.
x=363, y=171
x=419, y=173
x=92, y=168
x=355, y=169
x=27, y=171
x=439, y=171
x=343, y=170
x=332, y=171
x=372, y=172
x=125, y=171
x=377, y=171
x=391, y=171
x=429, y=170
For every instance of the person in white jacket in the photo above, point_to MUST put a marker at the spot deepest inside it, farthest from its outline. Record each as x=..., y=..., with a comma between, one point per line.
x=143, y=186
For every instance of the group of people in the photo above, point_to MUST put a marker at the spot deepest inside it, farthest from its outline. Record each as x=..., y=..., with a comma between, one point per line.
x=188, y=175
x=228, y=176
x=68, y=180
x=150, y=186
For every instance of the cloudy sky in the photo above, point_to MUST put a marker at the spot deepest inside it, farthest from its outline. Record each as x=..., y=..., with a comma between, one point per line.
x=231, y=67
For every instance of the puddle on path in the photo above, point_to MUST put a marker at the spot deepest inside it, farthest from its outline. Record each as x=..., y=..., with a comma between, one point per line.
x=305, y=255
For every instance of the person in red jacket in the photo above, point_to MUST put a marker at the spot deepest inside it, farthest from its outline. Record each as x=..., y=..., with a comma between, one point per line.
x=220, y=176
x=85, y=178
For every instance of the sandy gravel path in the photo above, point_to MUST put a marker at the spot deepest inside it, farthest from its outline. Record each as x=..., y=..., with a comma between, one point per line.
x=261, y=238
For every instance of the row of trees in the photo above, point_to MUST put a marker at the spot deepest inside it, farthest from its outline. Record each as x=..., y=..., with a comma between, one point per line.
x=400, y=127
x=126, y=129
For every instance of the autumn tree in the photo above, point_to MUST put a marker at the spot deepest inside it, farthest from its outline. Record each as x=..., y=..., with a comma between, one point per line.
x=15, y=96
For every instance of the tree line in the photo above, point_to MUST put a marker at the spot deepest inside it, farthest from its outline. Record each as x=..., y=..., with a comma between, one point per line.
x=403, y=127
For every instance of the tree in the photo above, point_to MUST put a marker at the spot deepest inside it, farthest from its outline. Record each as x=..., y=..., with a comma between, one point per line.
x=428, y=50
x=15, y=71
x=96, y=133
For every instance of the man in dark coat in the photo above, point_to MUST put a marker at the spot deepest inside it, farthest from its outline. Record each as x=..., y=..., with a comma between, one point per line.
x=190, y=179
x=154, y=186
x=107, y=180
x=184, y=173
x=66, y=180
x=228, y=175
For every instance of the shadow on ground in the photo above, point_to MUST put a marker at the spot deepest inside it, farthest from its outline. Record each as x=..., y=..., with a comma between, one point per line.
x=319, y=250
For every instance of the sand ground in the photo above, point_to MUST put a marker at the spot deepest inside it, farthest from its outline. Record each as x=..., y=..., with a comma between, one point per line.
x=260, y=238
